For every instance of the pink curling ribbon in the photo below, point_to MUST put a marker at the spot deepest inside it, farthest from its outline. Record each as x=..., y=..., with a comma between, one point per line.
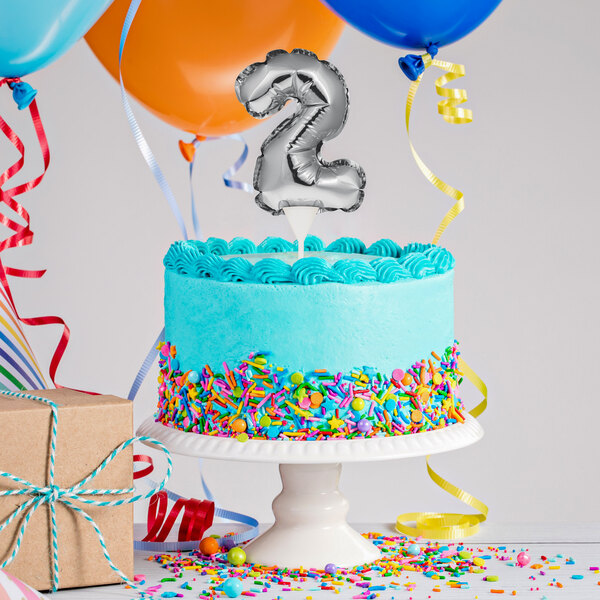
x=22, y=234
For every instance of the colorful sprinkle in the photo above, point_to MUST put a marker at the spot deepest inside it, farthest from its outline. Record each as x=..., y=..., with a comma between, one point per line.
x=260, y=400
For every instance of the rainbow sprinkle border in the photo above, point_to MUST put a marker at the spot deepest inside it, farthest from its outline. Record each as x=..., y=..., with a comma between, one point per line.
x=259, y=400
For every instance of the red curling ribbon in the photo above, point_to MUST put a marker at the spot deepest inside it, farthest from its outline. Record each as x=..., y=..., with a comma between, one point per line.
x=197, y=516
x=146, y=470
x=23, y=235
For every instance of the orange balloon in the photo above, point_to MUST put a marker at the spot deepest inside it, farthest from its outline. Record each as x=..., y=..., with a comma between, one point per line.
x=182, y=57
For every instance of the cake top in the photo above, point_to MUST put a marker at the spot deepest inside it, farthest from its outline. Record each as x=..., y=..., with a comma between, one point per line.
x=346, y=260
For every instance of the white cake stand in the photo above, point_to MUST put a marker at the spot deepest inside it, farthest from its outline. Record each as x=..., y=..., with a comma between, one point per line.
x=310, y=528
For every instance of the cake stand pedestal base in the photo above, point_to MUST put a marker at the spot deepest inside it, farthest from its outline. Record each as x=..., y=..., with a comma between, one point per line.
x=310, y=516
x=310, y=527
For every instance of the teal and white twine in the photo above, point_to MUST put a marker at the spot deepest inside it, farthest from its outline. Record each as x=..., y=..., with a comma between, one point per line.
x=51, y=494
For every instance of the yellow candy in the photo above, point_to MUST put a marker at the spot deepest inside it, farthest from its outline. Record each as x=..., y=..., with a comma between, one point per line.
x=478, y=561
x=358, y=404
x=296, y=378
x=437, y=378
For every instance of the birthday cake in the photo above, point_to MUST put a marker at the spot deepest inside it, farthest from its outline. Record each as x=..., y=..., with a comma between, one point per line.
x=349, y=341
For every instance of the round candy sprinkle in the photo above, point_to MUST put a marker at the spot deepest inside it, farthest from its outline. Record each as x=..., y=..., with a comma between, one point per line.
x=364, y=426
x=304, y=402
x=523, y=559
x=330, y=568
x=237, y=391
x=193, y=377
x=297, y=378
x=358, y=404
x=239, y=425
x=242, y=437
x=236, y=556
x=316, y=399
x=232, y=587
x=414, y=549
x=209, y=546
x=398, y=374
x=437, y=379
x=265, y=421
x=407, y=379
x=416, y=416
x=478, y=562
x=464, y=554
x=492, y=578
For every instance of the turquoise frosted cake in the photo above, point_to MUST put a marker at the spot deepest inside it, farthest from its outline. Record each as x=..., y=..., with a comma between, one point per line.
x=347, y=342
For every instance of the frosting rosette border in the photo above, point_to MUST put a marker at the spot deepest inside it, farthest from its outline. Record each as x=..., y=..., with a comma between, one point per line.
x=225, y=261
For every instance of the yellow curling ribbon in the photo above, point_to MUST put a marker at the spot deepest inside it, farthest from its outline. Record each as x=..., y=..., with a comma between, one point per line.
x=449, y=526
x=452, y=113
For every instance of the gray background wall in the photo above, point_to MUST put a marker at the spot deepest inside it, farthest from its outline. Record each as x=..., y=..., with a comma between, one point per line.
x=527, y=290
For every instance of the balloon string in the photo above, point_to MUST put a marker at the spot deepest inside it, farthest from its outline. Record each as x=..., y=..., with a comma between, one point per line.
x=23, y=236
x=140, y=140
x=450, y=525
x=452, y=113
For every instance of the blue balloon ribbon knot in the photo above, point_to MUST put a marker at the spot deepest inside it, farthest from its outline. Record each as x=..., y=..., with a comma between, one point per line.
x=413, y=65
x=23, y=94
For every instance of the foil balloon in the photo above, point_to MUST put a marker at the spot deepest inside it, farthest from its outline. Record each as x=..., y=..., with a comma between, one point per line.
x=12, y=588
x=290, y=171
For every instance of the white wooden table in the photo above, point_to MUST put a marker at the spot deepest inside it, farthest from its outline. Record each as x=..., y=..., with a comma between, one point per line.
x=582, y=543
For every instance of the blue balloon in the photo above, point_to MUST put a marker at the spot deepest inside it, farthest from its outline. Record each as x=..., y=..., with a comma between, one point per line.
x=33, y=33
x=414, y=23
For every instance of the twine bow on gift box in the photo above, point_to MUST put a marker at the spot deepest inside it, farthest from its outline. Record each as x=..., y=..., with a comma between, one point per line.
x=50, y=494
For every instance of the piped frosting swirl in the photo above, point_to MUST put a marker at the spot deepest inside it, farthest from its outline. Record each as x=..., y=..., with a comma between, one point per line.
x=391, y=262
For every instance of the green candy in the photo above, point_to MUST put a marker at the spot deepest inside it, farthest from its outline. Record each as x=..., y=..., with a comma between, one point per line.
x=297, y=378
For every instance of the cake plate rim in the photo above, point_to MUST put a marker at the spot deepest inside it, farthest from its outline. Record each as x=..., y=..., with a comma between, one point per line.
x=453, y=437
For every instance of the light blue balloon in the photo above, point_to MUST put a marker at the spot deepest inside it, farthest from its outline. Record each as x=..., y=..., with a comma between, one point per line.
x=33, y=33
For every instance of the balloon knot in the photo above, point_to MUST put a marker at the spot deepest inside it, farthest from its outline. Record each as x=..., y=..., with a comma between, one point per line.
x=188, y=149
x=432, y=49
x=23, y=94
x=413, y=65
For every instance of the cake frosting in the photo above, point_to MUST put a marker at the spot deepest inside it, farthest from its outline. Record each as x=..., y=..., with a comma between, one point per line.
x=350, y=340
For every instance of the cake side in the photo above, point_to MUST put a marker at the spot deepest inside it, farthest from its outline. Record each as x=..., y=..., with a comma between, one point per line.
x=300, y=344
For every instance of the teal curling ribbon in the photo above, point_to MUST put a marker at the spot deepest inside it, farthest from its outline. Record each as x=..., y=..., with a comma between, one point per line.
x=23, y=94
x=412, y=65
x=51, y=494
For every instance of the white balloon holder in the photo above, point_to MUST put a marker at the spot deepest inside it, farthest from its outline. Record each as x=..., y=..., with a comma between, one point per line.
x=310, y=528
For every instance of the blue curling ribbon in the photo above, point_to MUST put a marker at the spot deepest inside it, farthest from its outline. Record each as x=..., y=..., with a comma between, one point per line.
x=145, y=368
x=412, y=65
x=227, y=177
x=164, y=186
x=51, y=494
x=236, y=166
x=137, y=132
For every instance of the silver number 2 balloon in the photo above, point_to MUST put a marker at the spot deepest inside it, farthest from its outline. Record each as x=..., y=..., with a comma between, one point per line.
x=290, y=170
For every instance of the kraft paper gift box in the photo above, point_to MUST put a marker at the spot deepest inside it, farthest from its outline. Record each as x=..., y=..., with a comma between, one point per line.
x=89, y=429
